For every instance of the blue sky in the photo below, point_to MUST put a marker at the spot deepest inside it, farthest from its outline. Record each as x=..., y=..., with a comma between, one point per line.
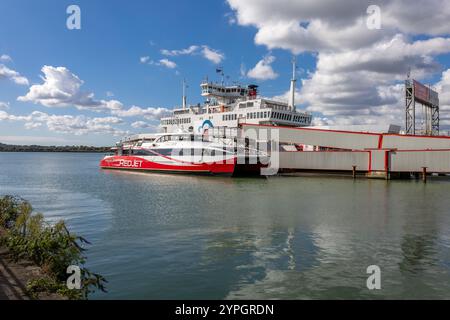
x=117, y=56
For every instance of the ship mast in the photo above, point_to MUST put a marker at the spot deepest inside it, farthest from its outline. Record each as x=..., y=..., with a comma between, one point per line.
x=184, y=94
x=293, y=81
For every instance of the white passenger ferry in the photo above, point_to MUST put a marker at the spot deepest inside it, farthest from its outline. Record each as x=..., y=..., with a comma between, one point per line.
x=228, y=106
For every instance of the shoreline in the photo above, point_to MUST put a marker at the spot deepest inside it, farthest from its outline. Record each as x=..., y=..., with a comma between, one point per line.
x=49, y=151
x=39, y=148
x=14, y=277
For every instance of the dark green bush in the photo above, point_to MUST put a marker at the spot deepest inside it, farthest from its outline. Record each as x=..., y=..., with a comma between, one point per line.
x=10, y=207
x=51, y=247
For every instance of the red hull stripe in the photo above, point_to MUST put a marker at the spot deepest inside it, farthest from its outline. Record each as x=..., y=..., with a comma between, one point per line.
x=136, y=163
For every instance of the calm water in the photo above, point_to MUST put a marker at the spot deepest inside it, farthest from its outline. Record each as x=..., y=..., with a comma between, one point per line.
x=186, y=237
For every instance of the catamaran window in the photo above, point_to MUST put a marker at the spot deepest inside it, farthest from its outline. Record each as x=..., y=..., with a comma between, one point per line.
x=164, y=152
x=141, y=152
x=209, y=152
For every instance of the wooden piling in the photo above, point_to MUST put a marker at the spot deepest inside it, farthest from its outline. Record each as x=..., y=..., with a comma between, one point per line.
x=424, y=174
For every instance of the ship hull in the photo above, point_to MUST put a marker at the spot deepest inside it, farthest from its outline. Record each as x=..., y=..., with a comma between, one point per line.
x=134, y=163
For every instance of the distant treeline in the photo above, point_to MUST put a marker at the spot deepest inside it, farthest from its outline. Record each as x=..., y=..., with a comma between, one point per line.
x=36, y=148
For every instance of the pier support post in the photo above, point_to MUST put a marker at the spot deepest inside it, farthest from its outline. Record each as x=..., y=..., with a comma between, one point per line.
x=354, y=172
x=424, y=174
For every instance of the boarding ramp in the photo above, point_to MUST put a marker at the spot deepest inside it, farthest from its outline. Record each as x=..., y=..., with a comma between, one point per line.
x=409, y=142
x=348, y=140
x=315, y=137
x=325, y=160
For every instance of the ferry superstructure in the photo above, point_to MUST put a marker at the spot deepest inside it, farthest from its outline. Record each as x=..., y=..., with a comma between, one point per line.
x=228, y=106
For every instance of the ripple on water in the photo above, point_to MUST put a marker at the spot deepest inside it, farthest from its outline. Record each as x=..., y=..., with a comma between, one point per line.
x=84, y=213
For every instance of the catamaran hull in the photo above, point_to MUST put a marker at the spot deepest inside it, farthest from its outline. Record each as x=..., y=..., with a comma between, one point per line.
x=141, y=164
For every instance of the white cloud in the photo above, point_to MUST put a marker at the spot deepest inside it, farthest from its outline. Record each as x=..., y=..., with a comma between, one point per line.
x=367, y=82
x=144, y=125
x=443, y=88
x=208, y=53
x=307, y=25
x=212, y=55
x=163, y=62
x=243, y=70
x=112, y=105
x=77, y=125
x=167, y=63
x=147, y=113
x=4, y=105
x=109, y=94
x=190, y=50
x=61, y=88
x=144, y=59
x=13, y=75
x=32, y=125
x=230, y=18
x=5, y=116
x=311, y=25
x=5, y=58
x=263, y=69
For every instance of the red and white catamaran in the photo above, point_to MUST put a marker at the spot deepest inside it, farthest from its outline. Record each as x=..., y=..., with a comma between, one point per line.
x=184, y=153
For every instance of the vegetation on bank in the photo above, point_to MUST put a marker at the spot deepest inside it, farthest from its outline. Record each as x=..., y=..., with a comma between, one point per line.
x=52, y=247
x=36, y=148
